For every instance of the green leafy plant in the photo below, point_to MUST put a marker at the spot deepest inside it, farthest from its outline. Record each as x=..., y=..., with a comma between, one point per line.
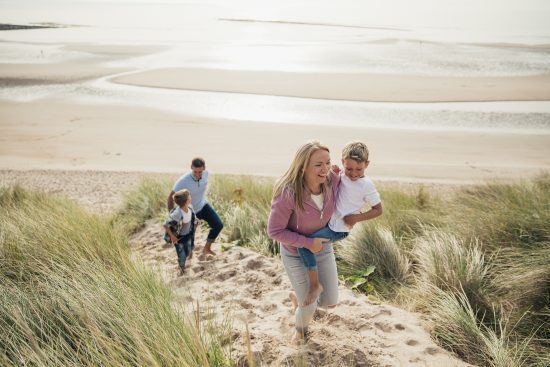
x=359, y=281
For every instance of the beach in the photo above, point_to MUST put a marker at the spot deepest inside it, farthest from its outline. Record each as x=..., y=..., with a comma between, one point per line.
x=56, y=134
x=98, y=107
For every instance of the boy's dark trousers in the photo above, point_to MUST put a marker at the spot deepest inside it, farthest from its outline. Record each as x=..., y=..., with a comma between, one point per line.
x=184, y=246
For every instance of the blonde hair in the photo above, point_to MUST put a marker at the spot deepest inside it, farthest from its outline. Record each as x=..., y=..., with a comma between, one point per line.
x=181, y=196
x=357, y=151
x=293, y=178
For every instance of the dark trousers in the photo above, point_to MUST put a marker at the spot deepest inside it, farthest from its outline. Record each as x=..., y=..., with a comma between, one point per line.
x=184, y=246
x=209, y=215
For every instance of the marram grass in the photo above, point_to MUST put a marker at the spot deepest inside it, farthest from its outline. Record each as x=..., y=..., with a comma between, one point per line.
x=71, y=296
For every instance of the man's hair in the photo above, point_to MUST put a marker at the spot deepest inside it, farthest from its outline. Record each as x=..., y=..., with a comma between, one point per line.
x=198, y=162
x=357, y=151
x=181, y=196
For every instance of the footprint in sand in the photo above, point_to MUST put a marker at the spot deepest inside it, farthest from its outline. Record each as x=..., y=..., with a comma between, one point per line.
x=198, y=268
x=431, y=351
x=254, y=264
x=383, y=326
x=412, y=342
x=245, y=304
x=399, y=327
x=269, y=307
x=226, y=275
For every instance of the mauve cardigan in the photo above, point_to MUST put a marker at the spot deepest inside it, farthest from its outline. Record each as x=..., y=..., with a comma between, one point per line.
x=290, y=225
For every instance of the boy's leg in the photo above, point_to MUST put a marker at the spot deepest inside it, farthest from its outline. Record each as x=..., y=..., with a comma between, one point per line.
x=315, y=288
x=209, y=215
x=188, y=249
x=182, y=256
x=329, y=234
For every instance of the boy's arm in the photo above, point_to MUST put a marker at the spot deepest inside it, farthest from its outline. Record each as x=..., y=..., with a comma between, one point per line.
x=374, y=212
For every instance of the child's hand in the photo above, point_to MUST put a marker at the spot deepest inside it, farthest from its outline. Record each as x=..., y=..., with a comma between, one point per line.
x=350, y=220
x=335, y=168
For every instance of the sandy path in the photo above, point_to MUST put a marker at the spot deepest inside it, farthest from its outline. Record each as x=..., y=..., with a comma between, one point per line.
x=254, y=289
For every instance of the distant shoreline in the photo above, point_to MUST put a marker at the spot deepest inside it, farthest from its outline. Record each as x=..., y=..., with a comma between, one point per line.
x=14, y=27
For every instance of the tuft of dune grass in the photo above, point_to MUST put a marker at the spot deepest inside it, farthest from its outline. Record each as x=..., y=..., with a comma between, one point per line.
x=460, y=328
x=373, y=245
x=447, y=262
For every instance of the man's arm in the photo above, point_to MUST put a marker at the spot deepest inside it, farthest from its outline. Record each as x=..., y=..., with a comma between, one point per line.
x=374, y=212
x=170, y=201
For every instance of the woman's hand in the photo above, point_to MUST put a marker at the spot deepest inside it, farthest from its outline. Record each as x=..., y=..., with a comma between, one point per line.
x=318, y=244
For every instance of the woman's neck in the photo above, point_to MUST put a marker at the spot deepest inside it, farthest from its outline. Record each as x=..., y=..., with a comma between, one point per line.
x=315, y=189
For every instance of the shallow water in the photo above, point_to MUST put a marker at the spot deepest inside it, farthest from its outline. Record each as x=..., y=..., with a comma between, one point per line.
x=437, y=38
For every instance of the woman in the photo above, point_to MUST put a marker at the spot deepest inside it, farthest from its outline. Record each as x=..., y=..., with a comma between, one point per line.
x=303, y=201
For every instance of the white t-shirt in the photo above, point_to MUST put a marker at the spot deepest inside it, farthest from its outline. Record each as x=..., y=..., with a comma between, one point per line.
x=183, y=219
x=351, y=197
x=318, y=200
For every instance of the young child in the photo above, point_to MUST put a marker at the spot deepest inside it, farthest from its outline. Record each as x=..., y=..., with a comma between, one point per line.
x=354, y=192
x=180, y=227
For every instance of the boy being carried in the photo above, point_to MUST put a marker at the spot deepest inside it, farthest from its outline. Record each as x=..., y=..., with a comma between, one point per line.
x=180, y=227
x=354, y=192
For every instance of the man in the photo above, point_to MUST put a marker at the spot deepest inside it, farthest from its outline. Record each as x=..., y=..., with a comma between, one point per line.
x=196, y=182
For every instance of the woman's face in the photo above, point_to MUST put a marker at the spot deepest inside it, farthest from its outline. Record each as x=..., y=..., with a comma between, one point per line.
x=317, y=169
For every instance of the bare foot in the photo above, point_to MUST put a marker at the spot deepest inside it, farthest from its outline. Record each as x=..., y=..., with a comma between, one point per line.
x=294, y=300
x=207, y=251
x=298, y=338
x=182, y=270
x=190, y=256
x=313, y=294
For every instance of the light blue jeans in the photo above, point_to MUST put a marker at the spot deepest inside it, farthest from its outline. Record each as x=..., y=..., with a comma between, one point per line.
x=308, y=257
x=297, y=273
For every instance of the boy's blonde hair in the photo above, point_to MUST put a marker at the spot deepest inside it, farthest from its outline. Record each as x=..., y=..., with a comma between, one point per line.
x=294, y=177
x=357, y=151
x=181, y=196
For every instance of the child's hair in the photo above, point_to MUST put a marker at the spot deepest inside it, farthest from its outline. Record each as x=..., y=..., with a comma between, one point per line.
x=181, y=196
x=357, y=151
x=198, y=162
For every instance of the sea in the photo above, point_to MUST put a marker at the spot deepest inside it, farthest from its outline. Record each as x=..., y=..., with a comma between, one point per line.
x=447, y=38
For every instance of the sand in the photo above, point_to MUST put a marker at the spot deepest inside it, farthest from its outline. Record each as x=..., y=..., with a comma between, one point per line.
x=57, y=134
x=348, y=86
x=253, y=290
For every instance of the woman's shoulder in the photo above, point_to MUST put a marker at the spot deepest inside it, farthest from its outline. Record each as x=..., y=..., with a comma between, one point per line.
x=284, y=197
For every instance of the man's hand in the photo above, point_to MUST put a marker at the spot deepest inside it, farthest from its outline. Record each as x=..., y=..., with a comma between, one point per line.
x=318, y=244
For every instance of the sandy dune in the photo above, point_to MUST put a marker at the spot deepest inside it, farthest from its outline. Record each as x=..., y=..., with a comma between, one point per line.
x=254, y=290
